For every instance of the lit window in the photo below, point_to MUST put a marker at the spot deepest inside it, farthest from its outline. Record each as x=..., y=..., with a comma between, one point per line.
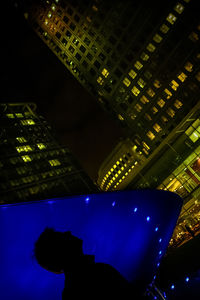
x=157, y=84
x=150, y=135
x=194, y=136
x=170, y=112
x=26, y=158
x=179, y=8
x=161, y=102
x=157, y=127
x=154, y=110
x=150, y=92
x=27, y=122
x=135, y=91
x=138, y=65
x=151, y=47
x=120, y=118
x=54, y=162
x=164, y=28
x=148, y=117
x=193, y=37
x=141, y=83
x=49, y=15
x=21, y=139
x=105, y=72
x=178, y=104
x=168, y=93
x=10, y=116
x=188, y=66
x=100, y=80
x=94, y=8
x=144, y=56
x=171, y=18
x=174, y=85
x=145, y=145
x=164, y=119
x=19, y=115
x=53, y=7
x=138, y=107
x=41, y=146
x=157, y=38
x=198, y=76
x=126, y=81
x=182, y=77
x=144, y=99
x=132, y=74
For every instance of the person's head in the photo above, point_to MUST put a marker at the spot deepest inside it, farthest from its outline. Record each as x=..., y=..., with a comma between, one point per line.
x=56, y=250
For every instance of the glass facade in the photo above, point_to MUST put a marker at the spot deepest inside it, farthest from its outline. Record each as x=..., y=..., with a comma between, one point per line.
x=33, y=165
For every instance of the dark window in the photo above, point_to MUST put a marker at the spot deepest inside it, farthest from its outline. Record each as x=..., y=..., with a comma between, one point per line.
x=102, y=56
x=130, y=100
x=107, y=88
x=75, y=42
x=118, y=73
x=65, y=19
x=123, y=106
x=112, y=40
x=70, y=11
x=92, y=72
x=78, y=56
x=64, y=42
x=71, y=49
x=89, y=56
x=98, y=40
x=123, y=65
x=72, y=26
x=68, y=34
x=86, y=41
x=77, y=18
x=57, y=49
x=107, y=49
x=82, y=48
x=58, y=35
x=59, y=12
x=94, y=48
x=96, y=25
x=85, y=64
x=97, y=64
x=91, y=33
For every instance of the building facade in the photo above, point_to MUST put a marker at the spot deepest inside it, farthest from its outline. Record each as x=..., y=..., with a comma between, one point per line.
x=33, y=164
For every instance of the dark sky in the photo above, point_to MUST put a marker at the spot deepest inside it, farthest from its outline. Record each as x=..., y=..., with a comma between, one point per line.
x=31, y=72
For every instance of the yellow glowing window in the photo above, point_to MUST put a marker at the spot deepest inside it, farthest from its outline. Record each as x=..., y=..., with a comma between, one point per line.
x=198, y=76
x=141, y=83
x=105, y=72
x=114, y=166
x=117, y=162
x=178, y=104
x=144, y=99
x=132, y=74
x=164, y=119
x=144, y=56
x=179, y=8
x=194, y=136
x=54, y=162
x=188, y=66
x=157, y=38
x=26, y=158
x=27, y=122
x=41, y=146
x=19, y=115
x=151, y=47
x=10, y=116
x=157, y=83
x=150, y=92
x=182, y=77
x=154, y=110
x=49, y=15
x=193, y=37
x=150, y=135
x=24, y=148
x=120, y=117
x=145, y=145
x=119, y=172
x=138, y=65
x=161, y=102
x=100, y=80
x=21, y=139
x=168, y=93
x=157, y=127
x=138, y=107
x=174, y=85
x=94, y=8
x=171, y=18
x=170, y=112
x=126, y=81
x=164, y=28
x=135, y=91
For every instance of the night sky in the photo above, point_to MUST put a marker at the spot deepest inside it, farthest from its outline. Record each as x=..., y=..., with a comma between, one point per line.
x=30, y=72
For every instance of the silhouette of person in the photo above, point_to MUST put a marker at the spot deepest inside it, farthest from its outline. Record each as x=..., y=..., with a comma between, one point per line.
x=61, y=252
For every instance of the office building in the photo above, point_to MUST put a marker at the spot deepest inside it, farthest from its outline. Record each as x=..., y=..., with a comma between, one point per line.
x=33, y=164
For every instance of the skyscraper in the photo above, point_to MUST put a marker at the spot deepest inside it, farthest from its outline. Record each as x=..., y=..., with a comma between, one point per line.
x=141, y=59
x=33, y=164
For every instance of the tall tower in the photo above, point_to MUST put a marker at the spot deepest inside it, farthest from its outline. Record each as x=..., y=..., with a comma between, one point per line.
x=33, y=164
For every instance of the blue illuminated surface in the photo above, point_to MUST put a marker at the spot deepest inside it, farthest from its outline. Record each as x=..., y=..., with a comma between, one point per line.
x=104, y=221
